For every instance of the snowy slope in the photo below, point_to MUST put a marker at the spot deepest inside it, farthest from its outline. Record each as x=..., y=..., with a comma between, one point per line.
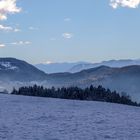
x=7, y=66
x=29, y=118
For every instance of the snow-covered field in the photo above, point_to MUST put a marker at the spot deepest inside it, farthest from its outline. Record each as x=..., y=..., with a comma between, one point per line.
x=32, y=118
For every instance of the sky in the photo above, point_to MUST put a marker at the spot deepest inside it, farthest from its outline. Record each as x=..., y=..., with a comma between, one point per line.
x=39, y=31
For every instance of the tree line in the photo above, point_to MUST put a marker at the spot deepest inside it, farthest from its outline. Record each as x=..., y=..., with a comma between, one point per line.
x=90, y=94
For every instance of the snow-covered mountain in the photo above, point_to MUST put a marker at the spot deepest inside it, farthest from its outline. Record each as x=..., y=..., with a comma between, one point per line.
x=12, y=69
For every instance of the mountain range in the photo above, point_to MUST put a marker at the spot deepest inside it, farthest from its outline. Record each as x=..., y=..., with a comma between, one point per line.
x=79, y=66
x=125, y=79
x=16, y=73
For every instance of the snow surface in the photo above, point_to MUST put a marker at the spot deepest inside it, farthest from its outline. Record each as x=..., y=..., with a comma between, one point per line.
x=33, y=118
x=8, y=65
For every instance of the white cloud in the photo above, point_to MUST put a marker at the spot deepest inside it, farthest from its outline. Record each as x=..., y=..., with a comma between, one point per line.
x=21, y=43
x=8, y=7
x=2, y=45
x=67, y=35
x=5, y=28
x=8, y=28
x=124, y=3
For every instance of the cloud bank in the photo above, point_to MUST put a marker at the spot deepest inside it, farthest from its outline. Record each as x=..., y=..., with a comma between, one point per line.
x=8, y=7
x=124, y=3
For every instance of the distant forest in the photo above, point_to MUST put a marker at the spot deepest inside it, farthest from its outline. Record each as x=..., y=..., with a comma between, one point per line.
x=75, y=93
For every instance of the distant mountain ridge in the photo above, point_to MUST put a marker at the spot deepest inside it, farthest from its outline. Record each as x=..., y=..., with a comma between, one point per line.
x=110, y=63
x=57, y=67
x=79, y=66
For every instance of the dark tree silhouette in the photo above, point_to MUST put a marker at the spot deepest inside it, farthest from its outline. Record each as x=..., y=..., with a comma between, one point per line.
x=90, y=93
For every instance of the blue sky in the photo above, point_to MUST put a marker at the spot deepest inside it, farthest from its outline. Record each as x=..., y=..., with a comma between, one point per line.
x=70, y=30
